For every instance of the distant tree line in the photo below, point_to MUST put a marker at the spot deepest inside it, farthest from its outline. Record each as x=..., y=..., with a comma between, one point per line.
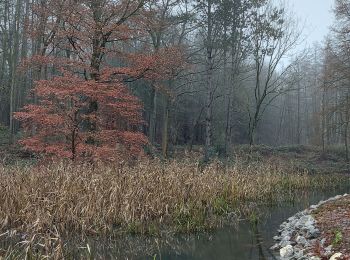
x=211, y=72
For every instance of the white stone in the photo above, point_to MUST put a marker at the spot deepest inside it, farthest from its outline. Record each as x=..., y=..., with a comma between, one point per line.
x=298, y=253
x=336, y=256
x=314, y=258
x=275, y=247
x=307, y=220
x=277, y=238
x=307, y=211
x=338, y=197
x=301, y=240
x=328, y=249
x=286, y=251
x=291, y=219
x=286, y=233
x=286, y=238
x=285, y=243
x=312, y=232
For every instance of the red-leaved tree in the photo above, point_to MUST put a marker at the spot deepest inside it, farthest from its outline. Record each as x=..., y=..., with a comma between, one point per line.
x=83, y=108
x=60, y=123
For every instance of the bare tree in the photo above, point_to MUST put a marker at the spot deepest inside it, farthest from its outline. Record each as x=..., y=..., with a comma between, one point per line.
x=274, y=35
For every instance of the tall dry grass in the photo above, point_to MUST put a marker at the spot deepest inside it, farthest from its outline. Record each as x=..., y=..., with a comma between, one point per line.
x=64, y=199
x=87, y=199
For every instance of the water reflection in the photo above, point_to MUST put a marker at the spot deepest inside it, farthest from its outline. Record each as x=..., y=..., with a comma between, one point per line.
x=249, y=240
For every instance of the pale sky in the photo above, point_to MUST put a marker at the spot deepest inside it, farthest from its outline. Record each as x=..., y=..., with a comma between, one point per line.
x=316, y=15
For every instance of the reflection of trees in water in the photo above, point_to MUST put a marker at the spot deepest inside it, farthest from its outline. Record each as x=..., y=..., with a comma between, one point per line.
x=136, y=247
x=247, y=240
x=264, y=252
x=236, y=241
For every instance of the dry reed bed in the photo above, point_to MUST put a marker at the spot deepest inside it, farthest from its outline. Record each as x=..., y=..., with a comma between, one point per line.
x=82, y=199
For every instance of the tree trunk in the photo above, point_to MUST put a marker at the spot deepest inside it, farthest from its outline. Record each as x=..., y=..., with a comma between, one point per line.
x=298, y=116
x=14, y=61
x=209, y=89
x=165, y=128
x=346, y=129
x=252, y=133
x=208, y=117
x=228, y=88
x=153, y=118
x=323, y=130
x=253, y=124
x=228, y=123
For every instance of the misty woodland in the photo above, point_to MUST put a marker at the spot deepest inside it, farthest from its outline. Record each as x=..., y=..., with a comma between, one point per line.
x=127, y=126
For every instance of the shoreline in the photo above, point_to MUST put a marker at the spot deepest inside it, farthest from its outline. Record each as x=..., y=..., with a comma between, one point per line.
x=302, y=237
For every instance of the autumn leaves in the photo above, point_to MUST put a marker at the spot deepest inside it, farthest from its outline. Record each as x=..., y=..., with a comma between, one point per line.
x=82, y=108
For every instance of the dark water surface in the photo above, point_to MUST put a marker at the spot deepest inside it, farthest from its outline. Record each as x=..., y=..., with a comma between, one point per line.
x=248, y=241
x=245, y=241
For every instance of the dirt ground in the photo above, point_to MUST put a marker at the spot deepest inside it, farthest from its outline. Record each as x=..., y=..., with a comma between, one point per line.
x=333, y=220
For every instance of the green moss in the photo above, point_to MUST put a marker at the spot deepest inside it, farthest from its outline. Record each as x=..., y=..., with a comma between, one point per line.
x=338, y=238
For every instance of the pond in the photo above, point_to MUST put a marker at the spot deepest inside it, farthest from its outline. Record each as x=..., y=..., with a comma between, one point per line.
x=244, y=241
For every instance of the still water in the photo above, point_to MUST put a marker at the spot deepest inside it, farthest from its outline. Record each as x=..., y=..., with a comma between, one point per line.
x=245, y=241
